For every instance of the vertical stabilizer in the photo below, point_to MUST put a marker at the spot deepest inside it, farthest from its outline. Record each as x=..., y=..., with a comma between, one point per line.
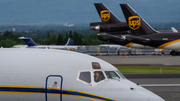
x=105, y=14
x=28, y=41
x=174, y=30
x=70, y=42
x=137, y=24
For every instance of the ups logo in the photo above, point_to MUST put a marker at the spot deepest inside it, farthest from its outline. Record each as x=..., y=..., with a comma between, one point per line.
x=105, y=15
x=134, y=22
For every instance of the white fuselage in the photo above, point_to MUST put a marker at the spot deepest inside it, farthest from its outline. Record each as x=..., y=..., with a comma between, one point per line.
x=29, y=74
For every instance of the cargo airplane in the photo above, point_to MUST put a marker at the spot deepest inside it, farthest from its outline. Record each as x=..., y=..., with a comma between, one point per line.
x=58, y=75
x=112, y=28
x=143, y=33
x=122, y=36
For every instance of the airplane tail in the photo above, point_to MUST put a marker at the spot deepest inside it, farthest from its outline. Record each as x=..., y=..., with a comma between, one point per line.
x=105, y=14
x=29, y=41
x=70, y=42
x=174, y=30
x=137, y=24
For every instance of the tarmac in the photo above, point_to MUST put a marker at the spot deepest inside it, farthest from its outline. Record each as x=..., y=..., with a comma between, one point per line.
x=164, y=60
x=166, y=86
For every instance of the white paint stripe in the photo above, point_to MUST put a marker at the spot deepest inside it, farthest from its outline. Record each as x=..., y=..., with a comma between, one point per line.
x=160, y=84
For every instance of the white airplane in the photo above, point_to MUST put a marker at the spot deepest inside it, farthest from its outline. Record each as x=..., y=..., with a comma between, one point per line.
x=31, y=44
x=58, y=75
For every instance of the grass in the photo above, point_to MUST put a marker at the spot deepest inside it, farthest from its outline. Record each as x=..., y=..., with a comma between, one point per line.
x=148, y=69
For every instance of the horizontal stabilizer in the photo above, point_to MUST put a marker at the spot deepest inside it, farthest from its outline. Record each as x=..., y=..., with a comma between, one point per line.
x=28, y=41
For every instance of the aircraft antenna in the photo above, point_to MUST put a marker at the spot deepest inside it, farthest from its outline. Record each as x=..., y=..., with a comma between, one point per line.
x=13, y=29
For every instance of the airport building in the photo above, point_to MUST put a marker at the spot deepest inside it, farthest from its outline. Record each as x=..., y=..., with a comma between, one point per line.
x=109, y=50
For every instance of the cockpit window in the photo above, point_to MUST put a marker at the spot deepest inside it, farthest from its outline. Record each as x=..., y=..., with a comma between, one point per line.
x=85, y=76
x=111, y=75
x=122, y=76
x=95, y=65
x=98, y=76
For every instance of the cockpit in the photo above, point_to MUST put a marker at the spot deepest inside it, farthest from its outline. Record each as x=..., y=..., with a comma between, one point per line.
x=97, y=75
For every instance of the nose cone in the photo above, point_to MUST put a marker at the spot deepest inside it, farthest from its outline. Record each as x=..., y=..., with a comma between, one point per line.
x=155, y=98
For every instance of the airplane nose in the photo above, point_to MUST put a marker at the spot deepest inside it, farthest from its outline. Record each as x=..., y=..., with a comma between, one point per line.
x=155, y=98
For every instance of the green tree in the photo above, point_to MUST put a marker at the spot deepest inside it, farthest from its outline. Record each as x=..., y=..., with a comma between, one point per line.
x=48, y=35
x=60, y=39
x=85, y=42
x=77, y=38
x=52, y=40
x=8, y=34
x=36, y=39
x=65, y=39
x=70, y=34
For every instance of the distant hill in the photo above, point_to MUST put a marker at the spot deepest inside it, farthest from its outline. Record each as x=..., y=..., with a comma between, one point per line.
x=42, y=12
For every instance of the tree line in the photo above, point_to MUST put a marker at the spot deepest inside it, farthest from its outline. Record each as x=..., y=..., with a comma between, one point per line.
x=8, y=39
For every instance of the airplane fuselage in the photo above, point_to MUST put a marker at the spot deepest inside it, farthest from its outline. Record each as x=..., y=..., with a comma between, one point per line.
x=169, y=41
x=162, y=40
x=114, y=27
x=56, y=75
